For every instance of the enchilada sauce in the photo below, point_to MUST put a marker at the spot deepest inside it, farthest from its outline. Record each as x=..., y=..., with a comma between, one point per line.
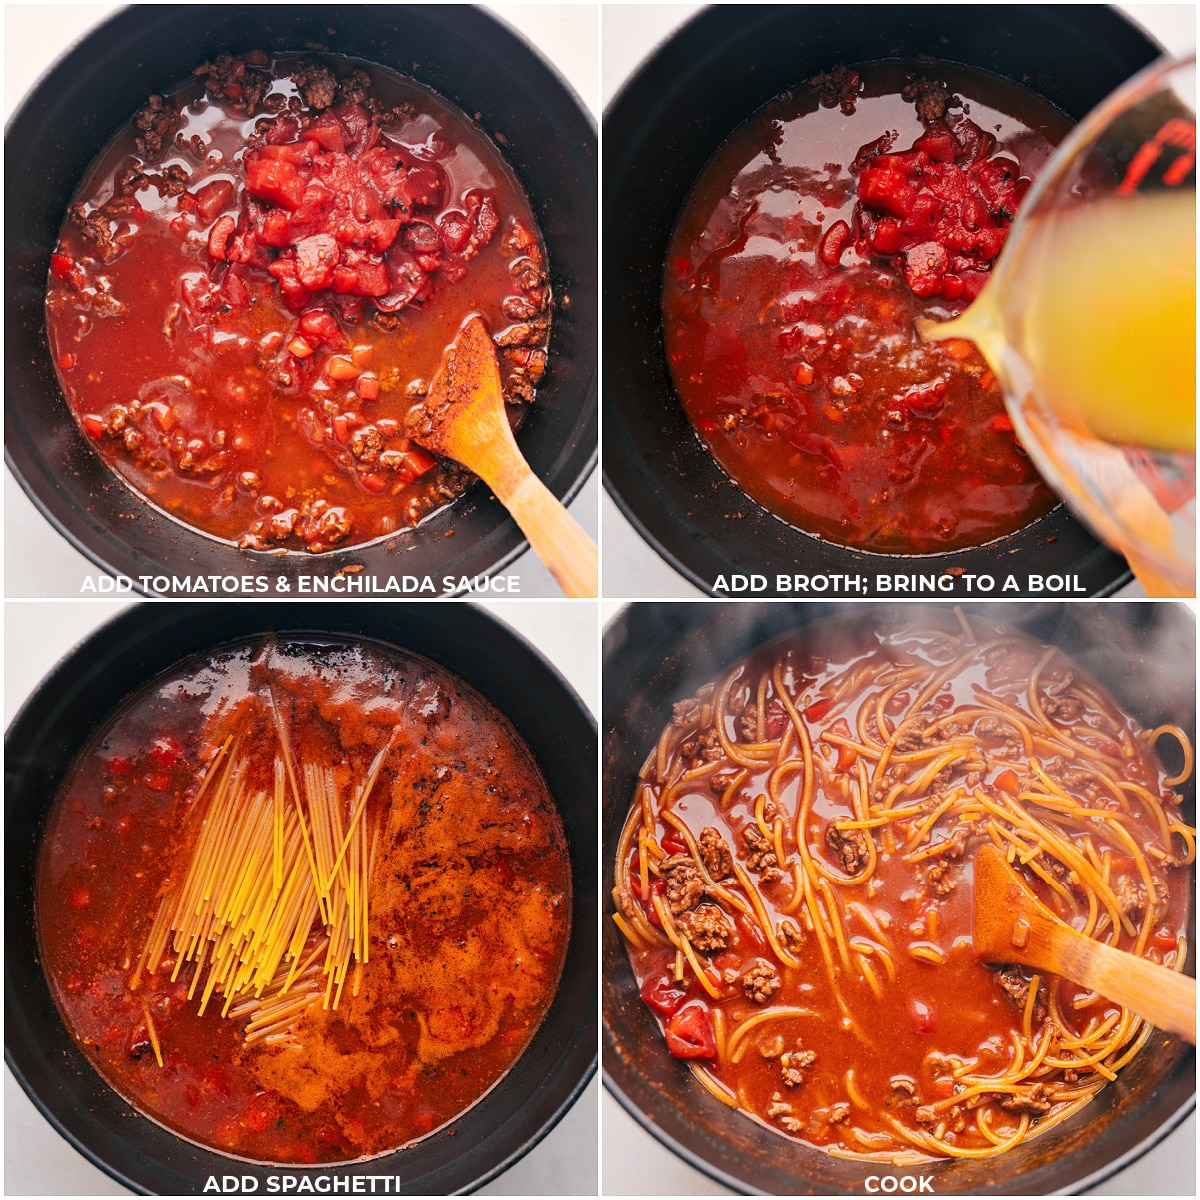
x=814, y=237
x=468, y=913
x=256, y=283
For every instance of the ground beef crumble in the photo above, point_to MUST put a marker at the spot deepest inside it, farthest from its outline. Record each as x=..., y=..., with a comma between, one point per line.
x=760, y=853
x=850, y=845
x=714, y=852
x=706, y=927
x=760, y=983
x=685, y=888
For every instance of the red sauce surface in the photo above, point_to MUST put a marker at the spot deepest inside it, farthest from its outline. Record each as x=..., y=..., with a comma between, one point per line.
x=804, y=253
x=933, y=1027
x=256, y=283
x=469, y=912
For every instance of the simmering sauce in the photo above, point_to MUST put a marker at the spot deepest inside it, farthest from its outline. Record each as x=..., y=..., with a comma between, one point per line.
x=464, y=867
x=806, y=249
x=256, y=283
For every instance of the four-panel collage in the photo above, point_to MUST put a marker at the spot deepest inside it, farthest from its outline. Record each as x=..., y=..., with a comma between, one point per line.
x=600, y=599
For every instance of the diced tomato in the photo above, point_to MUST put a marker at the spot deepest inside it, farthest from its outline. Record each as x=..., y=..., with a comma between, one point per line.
x=816, y=712
x=367, y=387
x=689, y=1033
x=328, y=133
x=833, y=243
x=422, y=186
x=61, y=266
x=80, y=897
x=234, y=291
x=299, y=154
x=937, y=143
x=316, y=260
x=341, y=369
x=944, y=1087
x=1002, y=423
x=887, y=238
x=922, y=1016
x=373, y=482
x=673, y=843
x=66, y=362
x=1165, y=940
x=214, y=198
x=847, y=755
x=218, y=237
x=663, y=994
x=657, y=888
x=275, y=180
x=887, y=190
x=373, y=278
x=924, y=267
x=775, y=720
x=165, y=751
x=928, y=399
x=344, y=280
x=317, y=325
x=1007, y=781
x=749, y=932
x=276, y=229
x=341, y=429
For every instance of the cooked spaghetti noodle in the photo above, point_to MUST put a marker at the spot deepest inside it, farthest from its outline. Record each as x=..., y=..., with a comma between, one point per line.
x=794, y=884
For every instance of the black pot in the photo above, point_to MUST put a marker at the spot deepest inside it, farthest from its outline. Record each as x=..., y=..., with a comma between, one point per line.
x=464, y=54
x=656, y=654
x=139, y=644
x=659, y=133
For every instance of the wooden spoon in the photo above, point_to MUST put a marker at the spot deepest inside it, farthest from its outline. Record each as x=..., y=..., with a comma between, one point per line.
x=1013, y=925
x=464, y=418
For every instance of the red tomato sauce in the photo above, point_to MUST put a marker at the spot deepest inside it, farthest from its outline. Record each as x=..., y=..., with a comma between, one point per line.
x=256, y=283
x=871, y=1011
x=472, y=871
x=806, y=249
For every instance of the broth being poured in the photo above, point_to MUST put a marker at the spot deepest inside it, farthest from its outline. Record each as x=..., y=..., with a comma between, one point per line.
x=816, y=235
x=1089, y=322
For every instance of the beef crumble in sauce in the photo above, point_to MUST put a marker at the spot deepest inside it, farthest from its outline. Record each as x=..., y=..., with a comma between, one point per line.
x=816, y=234
x=256, y=282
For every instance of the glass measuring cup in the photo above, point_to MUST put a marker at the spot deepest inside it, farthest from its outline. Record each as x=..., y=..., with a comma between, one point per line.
x=1089, y=322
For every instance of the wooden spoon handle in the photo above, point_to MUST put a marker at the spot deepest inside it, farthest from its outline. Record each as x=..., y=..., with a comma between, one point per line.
x=1164, y=997
x=555, y=536
x=552, y=532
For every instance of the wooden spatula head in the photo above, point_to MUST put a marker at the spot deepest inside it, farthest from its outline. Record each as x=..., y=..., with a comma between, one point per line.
x=464, y=411
x=1011, y=925
x=1006, y=910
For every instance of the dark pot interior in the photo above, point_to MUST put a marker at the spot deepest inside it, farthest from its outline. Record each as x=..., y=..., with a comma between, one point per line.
x=656, y=654
x=462, y=53
x=140, y=644
x=660, y=131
